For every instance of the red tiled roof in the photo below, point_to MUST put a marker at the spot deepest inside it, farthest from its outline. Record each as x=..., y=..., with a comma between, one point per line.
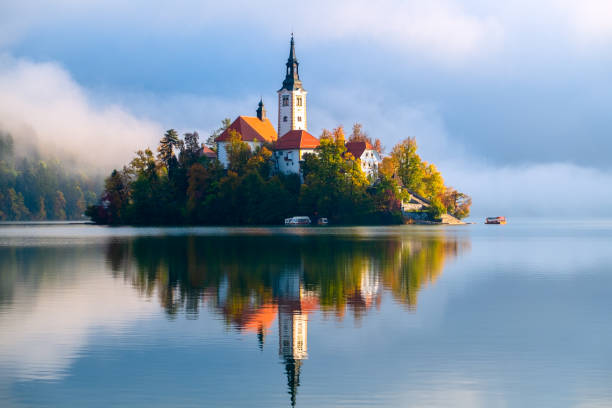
x=251, y=129
x=296, y=139
x=357, y=148
x=208, y=152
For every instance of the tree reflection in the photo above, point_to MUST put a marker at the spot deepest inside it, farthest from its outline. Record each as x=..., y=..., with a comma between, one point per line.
x=253, y=280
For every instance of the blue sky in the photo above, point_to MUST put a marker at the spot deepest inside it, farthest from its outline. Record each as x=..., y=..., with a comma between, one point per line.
x=496, y=94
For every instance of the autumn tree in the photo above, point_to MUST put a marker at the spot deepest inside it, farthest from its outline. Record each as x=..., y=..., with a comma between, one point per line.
x=238, y=153
x=408, y=165
x=457, y=204
x=378, y=146
x=338, y=134
x=358, y=134
x=333, y=186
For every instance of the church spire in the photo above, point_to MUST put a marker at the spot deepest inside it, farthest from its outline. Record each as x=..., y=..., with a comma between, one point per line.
x=292, y=76
x=261, y=111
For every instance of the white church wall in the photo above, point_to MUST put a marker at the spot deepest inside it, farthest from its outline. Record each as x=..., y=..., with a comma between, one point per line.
x=291, y=111
x=370, y=160
x=285, y=112
x=289, y=161
x=299, y=110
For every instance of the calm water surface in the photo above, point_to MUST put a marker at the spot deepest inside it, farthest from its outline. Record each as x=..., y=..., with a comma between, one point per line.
x=490, y=316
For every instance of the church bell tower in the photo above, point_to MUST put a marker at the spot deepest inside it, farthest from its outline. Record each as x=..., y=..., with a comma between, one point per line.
x=291, y=97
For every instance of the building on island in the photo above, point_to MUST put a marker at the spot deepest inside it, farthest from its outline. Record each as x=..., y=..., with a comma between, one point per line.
x=255, y=131
x=368, y=156
x=290, y=149
x=292, y=140
x=291, y=97
x=208, y=152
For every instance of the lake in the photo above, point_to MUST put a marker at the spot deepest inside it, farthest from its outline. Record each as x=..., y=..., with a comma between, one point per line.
x=416, y=316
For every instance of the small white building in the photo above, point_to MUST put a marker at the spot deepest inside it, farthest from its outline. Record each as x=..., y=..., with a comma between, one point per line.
x=368, y=156
x=289, y=150
x=254, y=131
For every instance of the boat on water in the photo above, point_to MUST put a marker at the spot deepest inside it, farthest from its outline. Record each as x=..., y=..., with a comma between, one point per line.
x=495, y=220
x=322, y=221
x=301, y=220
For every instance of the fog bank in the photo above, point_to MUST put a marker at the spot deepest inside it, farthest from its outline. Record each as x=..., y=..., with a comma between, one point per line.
x=42, y=107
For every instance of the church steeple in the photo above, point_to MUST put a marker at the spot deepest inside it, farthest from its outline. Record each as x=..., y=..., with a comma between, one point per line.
x=261, y=111
x=292, y=76
x=291, y=97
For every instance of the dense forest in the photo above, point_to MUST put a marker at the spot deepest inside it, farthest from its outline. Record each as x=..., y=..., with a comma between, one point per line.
x=179, y=186
x=33, y=189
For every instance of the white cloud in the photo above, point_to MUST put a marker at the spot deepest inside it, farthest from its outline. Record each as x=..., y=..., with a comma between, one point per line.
x=536, y=189
x=439, y=29
x=589, y=20
x=41, y=104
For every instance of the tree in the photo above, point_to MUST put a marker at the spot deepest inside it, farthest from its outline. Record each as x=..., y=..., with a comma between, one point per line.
x=167, y=144
x=378, y=146
x=115, y=197
x=325, y=134
x=41, y=215
x=408, y=165
x=261, y=161
x=210, y=142
x=436, y=209
x=191, y=149
x=387, y=167
x=338, y=134
x=457, y=204
x=59, y=206
x=143, y=163
x=13, y=207
x=433, y=183
x=334, y=187
x=358, y=134
x=238, y=153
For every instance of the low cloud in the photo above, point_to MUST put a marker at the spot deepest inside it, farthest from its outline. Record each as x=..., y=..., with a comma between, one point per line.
x=43, y=107
x=442, y=30
x=523, y=189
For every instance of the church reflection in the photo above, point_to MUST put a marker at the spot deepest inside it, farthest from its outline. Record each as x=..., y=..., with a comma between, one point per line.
x=251, y=282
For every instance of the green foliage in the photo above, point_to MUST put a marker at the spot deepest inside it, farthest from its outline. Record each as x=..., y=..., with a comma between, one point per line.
x=334, y=187
x=193, y=189
x=167, y=144
x=436, y=209
x=408, y=165
x=425, y=179
x=34, y=189
x=238, y=153
x=457, y=204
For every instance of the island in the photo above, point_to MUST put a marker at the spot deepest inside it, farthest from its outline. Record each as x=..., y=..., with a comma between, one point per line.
x=245, y=174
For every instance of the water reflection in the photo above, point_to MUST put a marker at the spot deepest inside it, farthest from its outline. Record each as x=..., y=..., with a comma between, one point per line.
x=252, y=281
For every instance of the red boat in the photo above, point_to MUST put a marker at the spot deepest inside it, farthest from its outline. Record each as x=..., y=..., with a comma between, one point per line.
x=495, y=220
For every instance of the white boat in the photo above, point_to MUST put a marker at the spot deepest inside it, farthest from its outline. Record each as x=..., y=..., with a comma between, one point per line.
x=301, y=220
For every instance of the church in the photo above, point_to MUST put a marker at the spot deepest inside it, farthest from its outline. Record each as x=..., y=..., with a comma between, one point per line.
x=294, y=140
